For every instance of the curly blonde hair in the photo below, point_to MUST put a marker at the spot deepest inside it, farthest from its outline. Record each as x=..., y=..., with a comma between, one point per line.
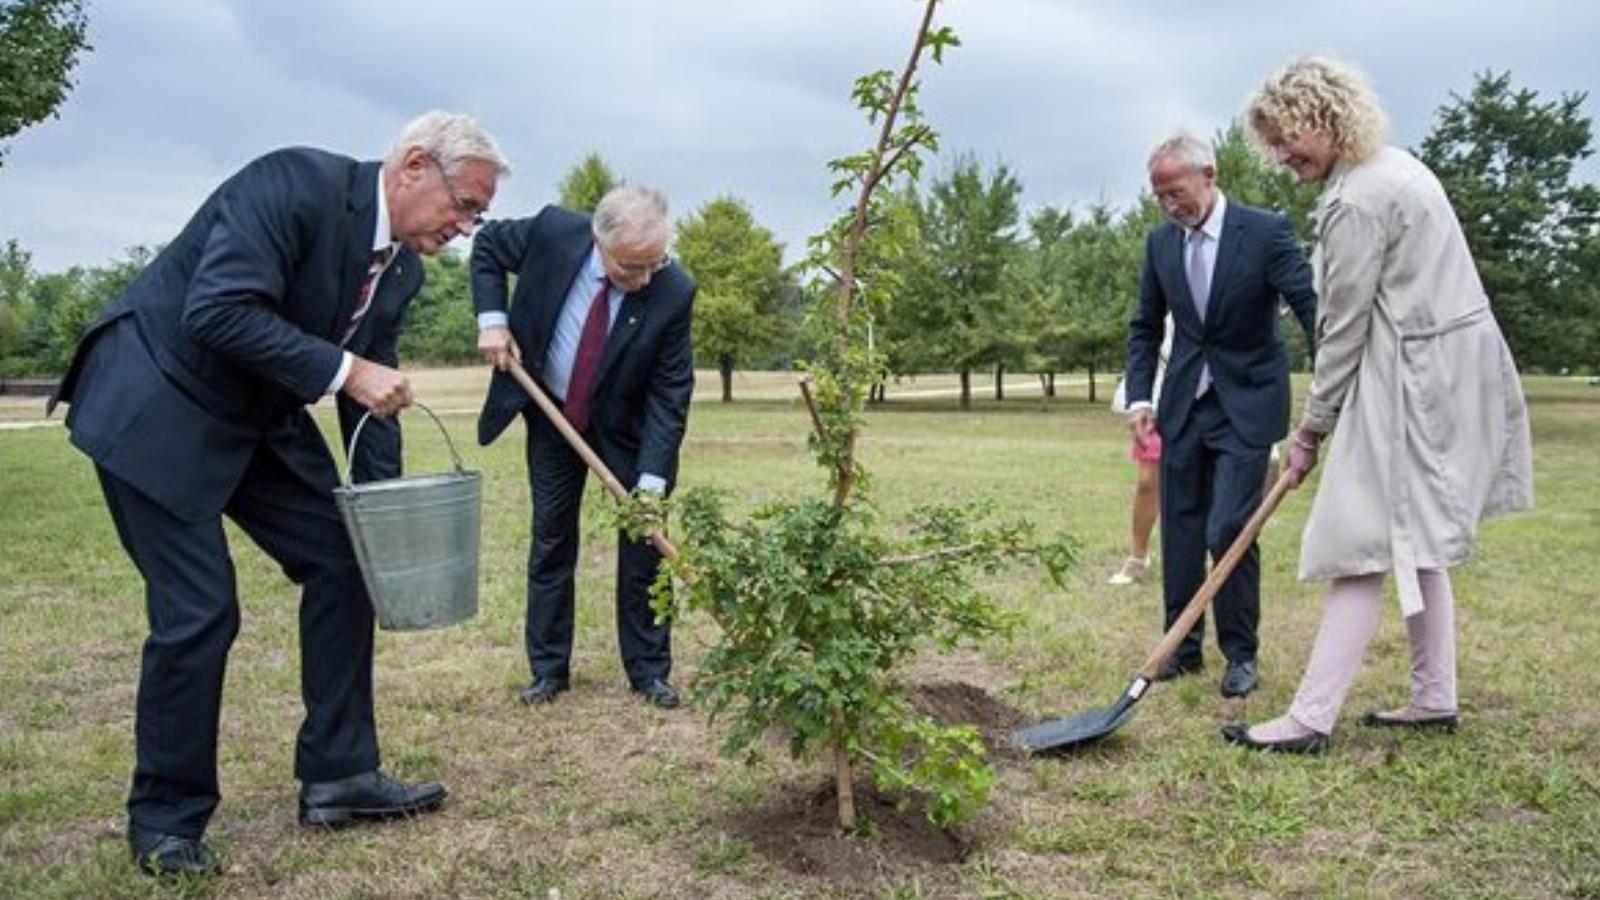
x=1318, y=93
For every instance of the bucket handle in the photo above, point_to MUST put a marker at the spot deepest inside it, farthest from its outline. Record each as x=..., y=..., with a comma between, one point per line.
x=350, y=451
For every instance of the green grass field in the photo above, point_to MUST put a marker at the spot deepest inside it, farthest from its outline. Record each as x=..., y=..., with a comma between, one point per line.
x=599, y=796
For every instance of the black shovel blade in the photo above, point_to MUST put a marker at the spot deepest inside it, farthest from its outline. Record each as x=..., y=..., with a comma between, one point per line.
x=1061, y=735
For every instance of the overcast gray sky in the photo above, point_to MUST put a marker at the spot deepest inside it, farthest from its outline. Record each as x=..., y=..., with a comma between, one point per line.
x=710, y=97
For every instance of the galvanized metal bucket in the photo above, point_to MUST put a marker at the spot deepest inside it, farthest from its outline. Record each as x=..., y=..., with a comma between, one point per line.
x=416, y=539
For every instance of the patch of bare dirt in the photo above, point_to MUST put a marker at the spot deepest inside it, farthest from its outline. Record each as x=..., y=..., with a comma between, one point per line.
x=798, y=829
x=799, y=832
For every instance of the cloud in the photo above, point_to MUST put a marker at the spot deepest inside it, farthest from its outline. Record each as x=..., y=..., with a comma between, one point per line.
x=709, y=97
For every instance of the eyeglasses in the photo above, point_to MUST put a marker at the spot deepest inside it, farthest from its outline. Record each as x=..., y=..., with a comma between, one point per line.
x=469, y=210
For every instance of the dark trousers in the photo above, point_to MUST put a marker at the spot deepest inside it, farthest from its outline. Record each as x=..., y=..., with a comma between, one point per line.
x=556, y=475
x=193, y=610
x=1210, y=486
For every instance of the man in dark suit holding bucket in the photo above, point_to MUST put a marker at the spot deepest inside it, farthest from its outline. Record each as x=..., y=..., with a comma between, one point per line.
x=189, y=393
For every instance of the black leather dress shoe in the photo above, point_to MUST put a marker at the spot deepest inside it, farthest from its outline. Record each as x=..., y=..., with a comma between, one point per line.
x=1240, y=678
x=657, y=692
x=1314, y=744
x=541, y=690
x=1177, y=668
x=1446, y=722
x=369, y=795
x=170, y=854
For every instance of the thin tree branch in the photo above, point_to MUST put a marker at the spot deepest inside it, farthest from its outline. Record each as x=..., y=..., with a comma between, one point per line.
x=811, y=406
x=957, y=552
x=914, y=138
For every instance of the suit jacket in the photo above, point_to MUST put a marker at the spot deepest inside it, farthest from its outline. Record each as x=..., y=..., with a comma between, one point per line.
x=1258, y=261
x=640, y=401
x=223, y=339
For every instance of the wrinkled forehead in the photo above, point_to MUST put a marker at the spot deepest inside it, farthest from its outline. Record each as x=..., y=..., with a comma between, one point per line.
x=477, y=179
x=636, y=241
x=1170, y=168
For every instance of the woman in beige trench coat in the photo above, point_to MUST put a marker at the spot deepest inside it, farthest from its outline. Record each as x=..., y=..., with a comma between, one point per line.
x=1414, y=392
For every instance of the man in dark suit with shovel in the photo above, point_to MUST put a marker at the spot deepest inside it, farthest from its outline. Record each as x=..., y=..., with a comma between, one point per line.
x=602, y=317
x=189, y=393
x=1218, y=269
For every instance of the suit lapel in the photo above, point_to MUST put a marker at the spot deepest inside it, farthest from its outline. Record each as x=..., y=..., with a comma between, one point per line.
x=1178, y=273
x=401, y=280
x=361, y=217
x=1233, y=238
x=629, y=320
x=554, y=284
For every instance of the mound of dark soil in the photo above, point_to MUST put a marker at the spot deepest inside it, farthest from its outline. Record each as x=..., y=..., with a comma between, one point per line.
x=799, y=829
x=960, y=703
x=800, y=833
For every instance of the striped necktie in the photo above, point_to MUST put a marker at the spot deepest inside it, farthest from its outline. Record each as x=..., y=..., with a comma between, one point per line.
x=380, y=261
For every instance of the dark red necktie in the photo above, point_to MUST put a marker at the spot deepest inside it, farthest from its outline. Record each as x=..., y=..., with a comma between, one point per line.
x=380, y=261
x=586, y=364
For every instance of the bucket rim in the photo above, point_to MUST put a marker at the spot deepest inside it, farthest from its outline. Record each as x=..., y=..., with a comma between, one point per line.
x=404, y=482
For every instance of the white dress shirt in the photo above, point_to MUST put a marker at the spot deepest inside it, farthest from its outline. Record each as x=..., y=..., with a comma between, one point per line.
x=1212, y=229
x=563, y=351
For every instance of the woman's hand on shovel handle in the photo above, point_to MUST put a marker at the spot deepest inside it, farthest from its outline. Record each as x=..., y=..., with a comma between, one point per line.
x=1302, y=455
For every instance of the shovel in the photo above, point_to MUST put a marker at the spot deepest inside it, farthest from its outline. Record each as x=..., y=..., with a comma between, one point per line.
x=1061, y=735
x=663, y=546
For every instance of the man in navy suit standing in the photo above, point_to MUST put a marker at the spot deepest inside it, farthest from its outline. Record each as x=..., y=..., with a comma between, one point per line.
x=602, y=316
x=189, y=393
x=1220, y=269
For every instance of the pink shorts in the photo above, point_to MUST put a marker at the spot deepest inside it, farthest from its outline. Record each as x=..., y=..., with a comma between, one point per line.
x=1149, y=451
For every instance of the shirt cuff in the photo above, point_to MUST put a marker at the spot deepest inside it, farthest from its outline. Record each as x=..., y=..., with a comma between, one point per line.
x=337, y=383
x=1137, y=405
x=492, y=320
x=655, y=484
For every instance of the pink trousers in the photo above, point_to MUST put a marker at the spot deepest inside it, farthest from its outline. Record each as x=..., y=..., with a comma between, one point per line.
x=1350, y=619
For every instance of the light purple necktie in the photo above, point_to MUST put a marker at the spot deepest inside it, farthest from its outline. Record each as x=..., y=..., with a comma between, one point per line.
x=1200, y=290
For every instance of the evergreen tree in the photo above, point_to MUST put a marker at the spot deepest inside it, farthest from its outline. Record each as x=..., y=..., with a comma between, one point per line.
x=1506, y=159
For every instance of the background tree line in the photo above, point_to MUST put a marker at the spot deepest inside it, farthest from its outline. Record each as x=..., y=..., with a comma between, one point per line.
x=978, y=285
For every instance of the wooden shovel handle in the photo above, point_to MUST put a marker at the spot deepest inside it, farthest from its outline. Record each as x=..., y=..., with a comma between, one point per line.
x=1219, y=573
x=665, y=547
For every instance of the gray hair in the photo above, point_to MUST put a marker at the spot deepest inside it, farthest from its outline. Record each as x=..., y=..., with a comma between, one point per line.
x=632, y=213
x=1184, y=148
x=450, y=138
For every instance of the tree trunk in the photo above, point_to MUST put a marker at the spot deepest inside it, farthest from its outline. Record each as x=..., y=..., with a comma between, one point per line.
x=844, y=786
x=966, y=388
x=999, y=381
x=1091, y=383
x=1050, y=386
x=726, y=365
